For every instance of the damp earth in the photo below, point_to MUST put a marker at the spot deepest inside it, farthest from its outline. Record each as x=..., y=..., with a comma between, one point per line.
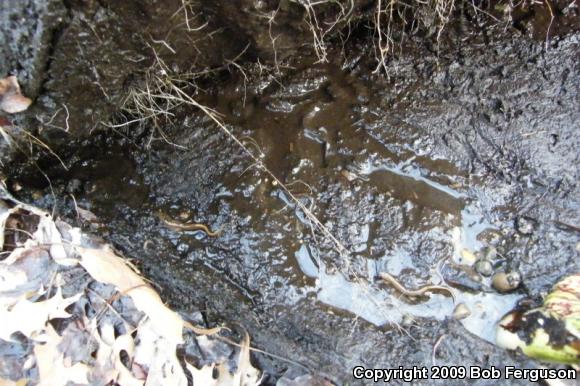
x=459, y=166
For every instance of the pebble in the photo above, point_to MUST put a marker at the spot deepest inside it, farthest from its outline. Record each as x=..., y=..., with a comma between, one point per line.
x=490, y=253
x=461, y=311
x=467, y=257
x=16, y=186
x=37, y=194
x=74, y=186
x=505, y=282
x=484, y=267
x=407, y=320
x=525, y=225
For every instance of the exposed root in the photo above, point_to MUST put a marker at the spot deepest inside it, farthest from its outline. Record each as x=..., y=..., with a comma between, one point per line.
x=39, y=142
x=4, y=134
x=389, y=21
x=435, y=347
x=33, y=141
x=320, y=28
x=387, y=12
x=271, y=18
x=189, y=15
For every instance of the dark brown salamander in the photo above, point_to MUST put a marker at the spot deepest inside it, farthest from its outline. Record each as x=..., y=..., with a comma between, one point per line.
x=184, y=227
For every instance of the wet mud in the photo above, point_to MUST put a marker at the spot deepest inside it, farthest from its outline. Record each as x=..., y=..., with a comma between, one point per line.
x=458, y=157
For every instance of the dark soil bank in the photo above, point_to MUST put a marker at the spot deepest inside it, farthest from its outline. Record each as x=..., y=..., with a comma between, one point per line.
x=466, y=149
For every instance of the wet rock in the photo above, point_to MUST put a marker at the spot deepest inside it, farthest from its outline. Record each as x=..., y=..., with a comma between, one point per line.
x=525, y=225
x=506, y=281
x=467, y=257
x=490, y=253
x=484, y=267
x=464, y=278
x=461, y=311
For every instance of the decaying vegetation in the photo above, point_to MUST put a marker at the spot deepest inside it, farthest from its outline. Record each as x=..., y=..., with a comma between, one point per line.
x=75, y=311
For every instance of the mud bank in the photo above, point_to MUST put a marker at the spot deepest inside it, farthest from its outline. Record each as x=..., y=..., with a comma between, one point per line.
x=78, y=59
x=466, y=152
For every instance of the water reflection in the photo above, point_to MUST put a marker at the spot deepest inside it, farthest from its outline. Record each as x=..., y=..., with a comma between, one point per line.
x=380, y=306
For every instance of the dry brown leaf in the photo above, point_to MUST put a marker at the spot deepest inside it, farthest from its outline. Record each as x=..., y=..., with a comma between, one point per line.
x=155, y=357
x=158, y=356
x=109, y=368
x=24, y=270
x=30, y=318
x=246, y=374
x=47, y=233
x=106, y=267
x=51, y=365
x=87, y=215
x=164, y=368
x=8, y=382
x=11, y=99
x=104, y=368
x=225, y=377
x=145, y=350
x=4, y=214
x=10, y=278
x=203, y=376
x=152, y=361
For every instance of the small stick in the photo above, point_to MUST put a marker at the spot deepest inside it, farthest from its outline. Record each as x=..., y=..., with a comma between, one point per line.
x=435, y=347
x=568, y=226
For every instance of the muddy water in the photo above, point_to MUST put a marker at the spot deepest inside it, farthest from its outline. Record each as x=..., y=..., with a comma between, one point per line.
x=315, y=131
x=417, y=180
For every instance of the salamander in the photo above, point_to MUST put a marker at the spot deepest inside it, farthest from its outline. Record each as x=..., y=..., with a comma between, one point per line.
x=185, y=226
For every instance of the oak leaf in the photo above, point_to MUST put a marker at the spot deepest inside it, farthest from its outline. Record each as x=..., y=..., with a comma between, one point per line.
x=11, y=99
